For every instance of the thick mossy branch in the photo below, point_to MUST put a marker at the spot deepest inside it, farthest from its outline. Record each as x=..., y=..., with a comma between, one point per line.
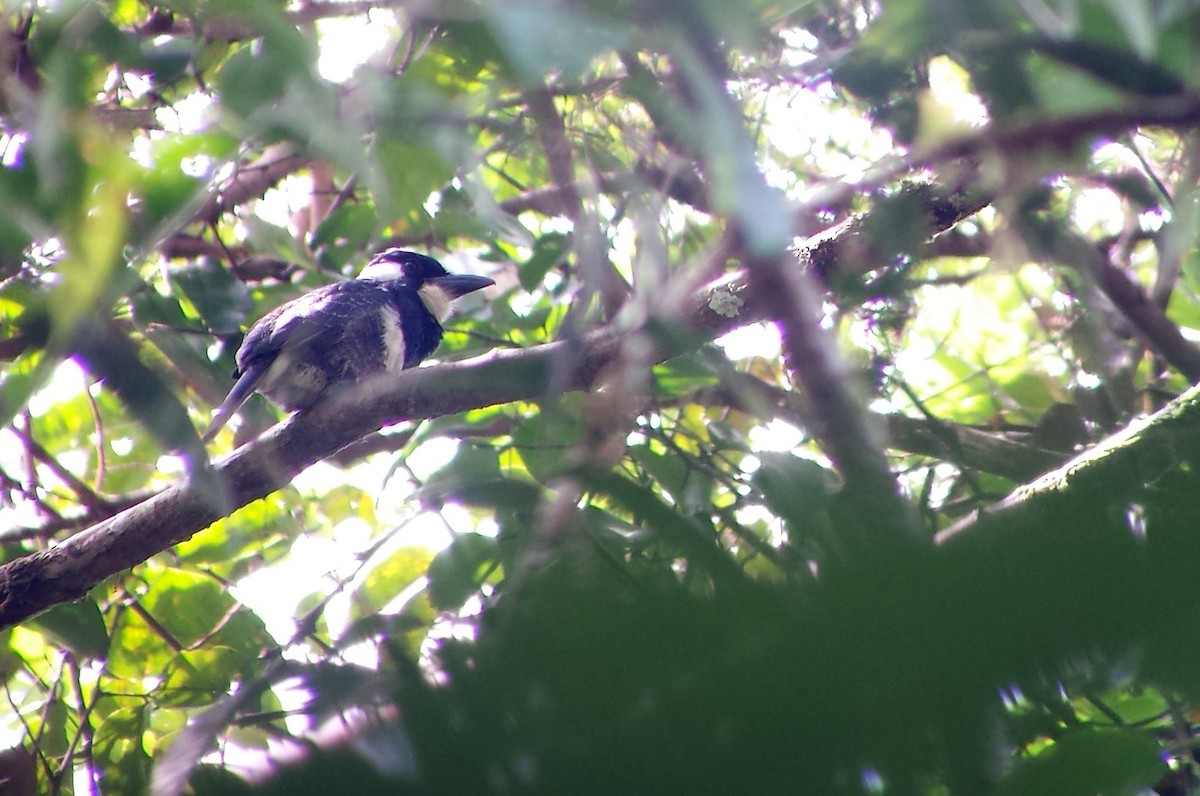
x=1152, y=455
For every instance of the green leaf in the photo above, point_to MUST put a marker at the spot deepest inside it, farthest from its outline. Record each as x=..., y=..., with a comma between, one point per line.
x=470, y=466
x=1089, y=761
x=259, y=71
x=794, y=488
x=188, y=605
x=221, y=299
x=549, y=250
x=1137, y=20
x=120, y=750
x=1114, y=66
x=112, y=357
x=724, y=436
x=163, y=322
x=683, y=376
x=458, y=571
x=669, y=470
x=388, y=579
x=78, y=626
x=545, y=442
x=251, y=78
x=474, y=478
x=196, y=678
x=531, y=35
x=676, y=530
x=52, y=731
x=167, y=60
x=457, y=217
x=344, y=233
x=410, y=175
x=18, y=189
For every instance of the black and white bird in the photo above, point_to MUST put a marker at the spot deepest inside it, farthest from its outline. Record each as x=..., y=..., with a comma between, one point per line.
x=388, y=319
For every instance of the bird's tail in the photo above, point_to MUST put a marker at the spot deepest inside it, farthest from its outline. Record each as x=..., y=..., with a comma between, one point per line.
x=243, y=388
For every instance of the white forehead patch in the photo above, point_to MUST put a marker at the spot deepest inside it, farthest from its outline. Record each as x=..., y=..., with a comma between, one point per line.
x=382, y=271
x=436, y=300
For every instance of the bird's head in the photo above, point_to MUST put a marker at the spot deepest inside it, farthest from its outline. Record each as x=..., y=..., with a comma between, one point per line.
x=437, y=287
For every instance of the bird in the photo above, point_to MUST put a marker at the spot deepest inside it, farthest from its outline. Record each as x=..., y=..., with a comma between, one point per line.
x=386, y=320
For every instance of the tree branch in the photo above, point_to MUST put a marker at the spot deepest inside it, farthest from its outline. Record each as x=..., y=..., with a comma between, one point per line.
x=966, y=447
x=251, y=181
x=1157, y=452
x=591, y=253
x=850, y=435
x=38, y=581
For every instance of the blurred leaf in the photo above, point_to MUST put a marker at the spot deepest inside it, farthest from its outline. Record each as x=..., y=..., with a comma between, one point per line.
x=389, y=578
x=739, y=187
x=18, y=381
x=258, y=73
x=545, y=442
x=1137, y=21
x=92, y=267
x=471, y=467
x=531, y=34
x=256, y=535
x=670, y=471
x=110, y=356
x=677, y=531
x=167, y=60
x=17, y=228
x=1113, y=66
x=199, y=677
x=170, y=187
x=222, y=300
x=120, y=751
x=344, y=232
x=457, y=572
x=1093, y=761
x=51, y=732
x=457, y=217
x=1030, y=392
x=1067, y=92
x=795, y=488
x=549, y=250
x=164, y=323
x=410, y=174
x=683, y=375
x=209, y=779
x=1137, y=189
x=78, y=626
x=725, y=436
x=191, y=607
x=392, y=627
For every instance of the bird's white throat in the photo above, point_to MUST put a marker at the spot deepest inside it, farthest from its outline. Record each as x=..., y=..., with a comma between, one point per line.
x=439, y=303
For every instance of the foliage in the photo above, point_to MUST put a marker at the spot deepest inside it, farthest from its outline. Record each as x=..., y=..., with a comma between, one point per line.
x=654, y=544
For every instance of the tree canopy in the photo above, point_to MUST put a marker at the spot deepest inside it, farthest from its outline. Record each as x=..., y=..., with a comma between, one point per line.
x=829, y=428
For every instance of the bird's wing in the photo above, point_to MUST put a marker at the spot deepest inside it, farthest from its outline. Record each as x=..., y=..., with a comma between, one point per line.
x=285, y=327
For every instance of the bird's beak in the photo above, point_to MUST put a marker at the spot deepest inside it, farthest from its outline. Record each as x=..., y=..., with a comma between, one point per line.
x=457, y=285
